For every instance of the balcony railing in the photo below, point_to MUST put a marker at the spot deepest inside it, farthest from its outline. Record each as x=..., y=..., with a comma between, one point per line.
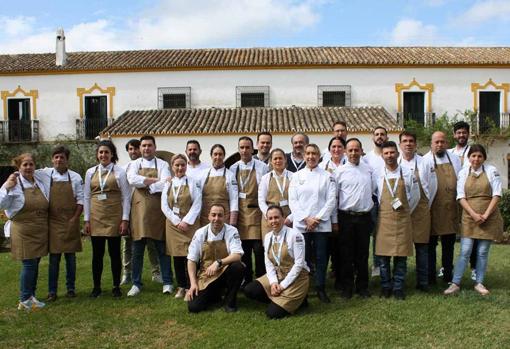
x=89, y=129
x=425, y=119
x=487, y=121
x=19, y=131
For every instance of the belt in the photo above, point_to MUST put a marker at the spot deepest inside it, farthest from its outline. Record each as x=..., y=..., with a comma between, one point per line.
x=354, y=213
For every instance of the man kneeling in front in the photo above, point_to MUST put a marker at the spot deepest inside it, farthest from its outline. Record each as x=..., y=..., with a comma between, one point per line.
x=216, y=248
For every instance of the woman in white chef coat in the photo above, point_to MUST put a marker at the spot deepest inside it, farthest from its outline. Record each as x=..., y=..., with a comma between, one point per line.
x=479, y=192
x=181, y=201
x=336, y=149
x=25, y=200
x=106, y=213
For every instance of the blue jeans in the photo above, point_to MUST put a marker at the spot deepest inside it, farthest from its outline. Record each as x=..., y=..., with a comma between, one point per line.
x=482, y=256
x=53, y=271
x=422, y=264
x=28, y=278
x=399, y=272
x=164, y=261
x=316, y=254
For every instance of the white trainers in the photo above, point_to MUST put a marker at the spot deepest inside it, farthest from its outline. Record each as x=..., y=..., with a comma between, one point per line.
x=451, y=290
x=376, y=271
x=126, y=279
x=36, y=303
x=181, y=292
x=440, y=272
x=157, y=278
x=473, y=274
x=133, y=291
x=167, y=289
x=481, y=289
x=25, y=305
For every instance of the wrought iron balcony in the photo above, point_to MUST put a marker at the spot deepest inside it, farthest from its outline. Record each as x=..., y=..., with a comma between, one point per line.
x=425, y=119
x=19, y=131
x=89, y=129
x=487, y=121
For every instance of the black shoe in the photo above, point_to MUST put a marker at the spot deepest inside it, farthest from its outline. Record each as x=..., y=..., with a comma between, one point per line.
x=96, y=292
x=423, y=288
x=364, y=294
x=116, y=292
x=52, y=297
x=304, y=304
x=71, y=294
x=399, y=295
x=323, y=297
x=385, y=293
x=229, y=309
x=243, y=284
x=346, y=294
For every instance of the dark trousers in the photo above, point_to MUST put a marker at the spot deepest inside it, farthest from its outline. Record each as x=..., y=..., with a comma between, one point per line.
x=374, y=214
x=257, y=248
x=98, y=248
x=255, y=291
x=447, y=247
x=230, y=280
x=474, y=254
x=181, y=271
x=422, y=264
x=393, y=281
x=316, y=256
x=354, y=246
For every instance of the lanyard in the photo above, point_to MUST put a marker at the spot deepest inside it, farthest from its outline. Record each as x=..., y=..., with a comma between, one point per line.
x=279, y=257
x=296, y=166
x=51, y=177
x=244, y=181
x=178, y=191
x=395, y=185
x=101, y=183
x=281, y=188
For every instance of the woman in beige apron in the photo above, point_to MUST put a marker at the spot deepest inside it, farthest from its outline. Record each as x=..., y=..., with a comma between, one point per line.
x=285, y=285
x=106, y=213
x=181, y=200
x=479, y=192
x=274, y=189
x=25, y=200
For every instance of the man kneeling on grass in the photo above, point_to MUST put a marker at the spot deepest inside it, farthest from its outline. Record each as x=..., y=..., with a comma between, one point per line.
x=217, y=249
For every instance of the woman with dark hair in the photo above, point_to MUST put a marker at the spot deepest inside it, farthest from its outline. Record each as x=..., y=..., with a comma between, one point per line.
x=479, y=192
x=25, y=201
x=336, y=149
x=106, y=213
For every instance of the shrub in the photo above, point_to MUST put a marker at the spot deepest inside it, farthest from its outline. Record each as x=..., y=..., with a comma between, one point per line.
x=504, y=208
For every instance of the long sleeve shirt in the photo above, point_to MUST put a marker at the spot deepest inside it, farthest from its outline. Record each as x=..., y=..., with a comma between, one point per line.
x=196, y=198
x=355, y=187
x=264, y=187
x=230, y=183
x=228, y=233
x=429, y=159
x=49, y=174
x=136, y=180
x=426, y=173
x=411, y=185
x=492, y=175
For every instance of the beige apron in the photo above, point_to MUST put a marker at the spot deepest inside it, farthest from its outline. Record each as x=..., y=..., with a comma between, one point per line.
x=273, y=198
x=29, y=227
x=444, y=210
x=478, y=195
x=65, y=235
x=249, y=212
x=292, y=297
x=147, y=219
x=420, y=217
x=177, y=241
x=105, y=215
x=394, y=230
x=214, y=192
x=211, y=251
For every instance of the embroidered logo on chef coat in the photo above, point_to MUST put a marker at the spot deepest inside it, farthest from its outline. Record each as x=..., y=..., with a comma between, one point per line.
x=299, y=239
x=236, y=236
x=234, y=182
x=496, y=174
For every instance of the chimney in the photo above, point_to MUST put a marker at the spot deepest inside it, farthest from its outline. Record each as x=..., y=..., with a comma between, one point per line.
x=61, y=56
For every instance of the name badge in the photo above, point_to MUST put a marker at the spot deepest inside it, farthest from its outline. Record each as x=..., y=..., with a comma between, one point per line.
x=396, y=203
x=301, y=182
x=102, y=197
x=176, y=210
x=284, y=203
x=242, y=195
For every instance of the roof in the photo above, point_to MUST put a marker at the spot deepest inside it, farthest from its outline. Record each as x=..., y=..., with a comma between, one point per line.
x=239, y=58
x=224, y=121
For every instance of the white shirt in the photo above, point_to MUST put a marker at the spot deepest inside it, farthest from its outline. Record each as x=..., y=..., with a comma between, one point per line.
x=49, y=173
x=120, y=177
x=312, y=193
x=374, y=160
x=264, y=188
x=296, y=249
x=136, y=180
x=12, y=201
x=355, y=187
x=198, y=171
x=326, y=155
x=196, y=198
x=260, y=169
x=462, y=153
x=228, y=233
x=410, y=182
x=230, y=182
x=328, y=164
x=492, y=174
x=425, y=171
x=429, y=158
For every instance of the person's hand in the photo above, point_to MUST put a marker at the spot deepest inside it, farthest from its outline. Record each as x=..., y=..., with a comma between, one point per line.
x=149, y=181
x=183, y=226
x=192, y=292
x=311, y=223
x=335, y=228
x=477, y=218
x=288, y=222
x=123, y=228
x=11, y=181
x=169, y=179
x=86, y=228
x=212, y=269
x=484, y=216
x=276, y=289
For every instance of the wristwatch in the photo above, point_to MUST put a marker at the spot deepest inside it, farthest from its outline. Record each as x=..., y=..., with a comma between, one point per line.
x=220, y=263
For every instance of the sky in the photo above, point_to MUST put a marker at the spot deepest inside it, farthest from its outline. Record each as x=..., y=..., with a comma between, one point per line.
x=102, y=25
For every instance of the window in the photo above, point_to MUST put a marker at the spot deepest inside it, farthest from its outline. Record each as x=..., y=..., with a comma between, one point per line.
x=414, y=107
x=20, y=121
x=334, y=96
x=174, y=97
x=489, y=112
x=252, y=96
x=95, y=115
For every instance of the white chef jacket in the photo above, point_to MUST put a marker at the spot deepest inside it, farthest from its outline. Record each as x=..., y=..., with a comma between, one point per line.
x=410, y=182
x=136, y=180
x=12, y=201
x=197, y=172
x=260, y=169
x=49, y=173
x=296, y=249
x=229, y=233
x=492, y=174
x=196, y=198
x=120, y=177
x=429, y=159
x=312, y=193
x=462, y=153
x=264, y=187
x=230, y=181
x=355, y=186
x=327, y=164
x=375, y=161
x=425, y=171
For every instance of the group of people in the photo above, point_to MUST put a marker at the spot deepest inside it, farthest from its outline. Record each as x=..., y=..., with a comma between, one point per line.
x=291, y=213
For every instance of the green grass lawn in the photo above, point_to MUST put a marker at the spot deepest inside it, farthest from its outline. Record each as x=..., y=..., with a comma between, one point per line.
x=154, y=320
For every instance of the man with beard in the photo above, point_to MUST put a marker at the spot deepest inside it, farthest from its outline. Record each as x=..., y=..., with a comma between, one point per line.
x=339, y=130
x=295, y=159
x=264, y=145
x=444, y=210
x=195, y=168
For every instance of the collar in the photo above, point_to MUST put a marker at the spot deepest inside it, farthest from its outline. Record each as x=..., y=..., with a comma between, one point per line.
x=249, y=163
x=393, y=172
x=196, y=166
x=63, y=173
x=209, y=229
x=108, y=167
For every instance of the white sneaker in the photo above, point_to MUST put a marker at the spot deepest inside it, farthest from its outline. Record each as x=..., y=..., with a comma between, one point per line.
x=25, y=305
x=167, y=289
x=440, y=272
x=133, y=291
x=481, y=289
x=181, y=292
x=157, y=278
x=126, y=279
x=376, y=271
x=473, y=274
x=452, y=289
x=36, y=303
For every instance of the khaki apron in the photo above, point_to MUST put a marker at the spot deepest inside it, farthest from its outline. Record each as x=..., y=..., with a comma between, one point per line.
x=105, y=215
x=147, y=219
x=420, y=217
x=211, y=251
x=214, y=192
x=292, y=297
x=478, y=195
x=65, y=235
x=249, y=211
x=273, y=198
x=177, y=241
x=29, y=227
x=444, y=210
x=394, y=230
